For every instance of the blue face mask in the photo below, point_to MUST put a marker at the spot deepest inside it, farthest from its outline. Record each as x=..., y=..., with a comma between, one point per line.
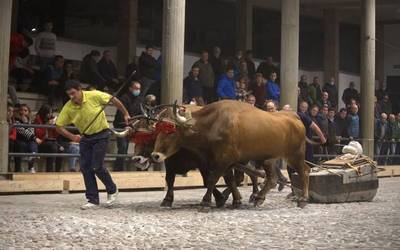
x=136, y=92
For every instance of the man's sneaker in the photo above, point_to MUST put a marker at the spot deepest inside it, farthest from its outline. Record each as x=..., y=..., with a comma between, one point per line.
x=111, y=198
x=89, y=205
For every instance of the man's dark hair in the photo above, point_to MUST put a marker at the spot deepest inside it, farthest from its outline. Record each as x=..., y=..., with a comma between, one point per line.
x=72, y=84
x=342, y=109
x=94, y=53
x=57, y=57
x=149, y=46
x=229, y=69
x=331, y=109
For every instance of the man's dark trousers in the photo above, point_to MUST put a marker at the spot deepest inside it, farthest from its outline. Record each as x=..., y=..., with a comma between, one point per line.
x=93, y=150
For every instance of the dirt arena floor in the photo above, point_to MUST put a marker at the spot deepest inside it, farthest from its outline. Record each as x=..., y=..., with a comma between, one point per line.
x=54, y=221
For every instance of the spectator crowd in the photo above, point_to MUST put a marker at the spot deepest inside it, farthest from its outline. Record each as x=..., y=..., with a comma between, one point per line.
x=212, y=77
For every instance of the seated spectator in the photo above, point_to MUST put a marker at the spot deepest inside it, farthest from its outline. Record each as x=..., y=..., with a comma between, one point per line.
x=258, y=90
x=89, y=72
x=325, y=100
x=303, y=86
x=132, y=67
x=272, y=88
x=27, y=140
x=350, y=93
x=45, y=45
x=341, y=123
x=193, y=90
x=12, y=138
x=67, y=146
x=314, y=92
x=303, y=107
x=386, y=105
x=131, y=100
x=353, y=123
x=241, y=88
x=108, y=70
x=251, y=99
x=12, y=93
x=68, y=75
x=47, y=143
x=331, y=89
x=148, y=69
x=270, y=106
x=226, y=86
x=382, y=136
x=53, y=75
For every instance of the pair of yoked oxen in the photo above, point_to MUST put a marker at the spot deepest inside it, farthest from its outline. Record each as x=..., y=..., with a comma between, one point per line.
x=218, y=138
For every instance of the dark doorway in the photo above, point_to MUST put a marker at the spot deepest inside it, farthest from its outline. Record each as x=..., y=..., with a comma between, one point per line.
x=393, y=88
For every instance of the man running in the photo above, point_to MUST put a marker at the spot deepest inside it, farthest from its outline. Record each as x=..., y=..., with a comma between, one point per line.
x=81, y=110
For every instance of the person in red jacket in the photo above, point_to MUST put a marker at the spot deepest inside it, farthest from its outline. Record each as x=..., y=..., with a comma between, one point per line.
x=47, y=137
x=12, y=138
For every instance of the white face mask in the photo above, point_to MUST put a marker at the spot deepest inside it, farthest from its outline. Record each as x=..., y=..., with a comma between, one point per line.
x=332, y=83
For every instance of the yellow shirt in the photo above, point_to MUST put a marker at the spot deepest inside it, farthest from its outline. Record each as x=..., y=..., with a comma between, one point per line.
x=82, y=115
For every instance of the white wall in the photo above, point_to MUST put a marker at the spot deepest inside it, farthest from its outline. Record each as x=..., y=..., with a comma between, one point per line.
x=392, y=55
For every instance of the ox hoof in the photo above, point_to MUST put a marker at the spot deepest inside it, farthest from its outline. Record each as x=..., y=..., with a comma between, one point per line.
x=252, y=198
x=259, y=201
x=302, y=204
x=221, y=201
x=166, y=203
x=236, y=204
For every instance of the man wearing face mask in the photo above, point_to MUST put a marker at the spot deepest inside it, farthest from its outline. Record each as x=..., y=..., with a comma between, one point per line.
x=131, y=100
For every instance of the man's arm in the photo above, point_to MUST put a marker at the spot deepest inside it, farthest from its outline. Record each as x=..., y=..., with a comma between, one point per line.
x=318, y=131
x=62, y=131
x=117, y=103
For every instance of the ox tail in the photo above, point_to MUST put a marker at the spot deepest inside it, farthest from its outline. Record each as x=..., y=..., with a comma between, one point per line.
x=314, y=143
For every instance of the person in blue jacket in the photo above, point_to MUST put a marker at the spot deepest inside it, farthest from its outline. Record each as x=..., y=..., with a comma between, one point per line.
x=226, y=85
x=272, y=88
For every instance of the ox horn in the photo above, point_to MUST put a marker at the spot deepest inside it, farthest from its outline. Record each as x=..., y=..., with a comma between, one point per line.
x=180, y=119
x=124, y=133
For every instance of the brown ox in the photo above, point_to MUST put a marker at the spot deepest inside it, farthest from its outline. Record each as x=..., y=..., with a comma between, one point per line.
x=227, y=132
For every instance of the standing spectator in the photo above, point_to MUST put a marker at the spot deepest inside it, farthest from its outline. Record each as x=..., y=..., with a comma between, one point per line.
x=351, y=103
x=314, y=92
x=45, y=45
x=380, y=92
x=382, y=135
x=303, y=107
x=272, y=88
x=267, y=67
x=131, y=101
x=303, y=86
x=377, y=108
x=206, y=77
x=251, y=67
x=235, y=61
x=353, y=123
x=325, y=100
x=28, y=142
x=270, y=106
x=148, y=69
x=54, y=74
x=394, y=127
x=217, y=63
x=331, y=89
x=258, y=89
x=331, y=136
x=192, y=87
x=350, y=93
x=386, y=105
x=341, y=123
x=48, y=143
x=12, y=138
x=226, y=86
x=89, y=72
x=108, y=70
x=243, y=71
x=241, y=88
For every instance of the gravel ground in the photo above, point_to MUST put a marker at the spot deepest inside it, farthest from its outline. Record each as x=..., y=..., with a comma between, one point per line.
x=54, y=221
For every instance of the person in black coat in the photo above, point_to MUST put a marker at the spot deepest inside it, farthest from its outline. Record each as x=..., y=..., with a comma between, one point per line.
x=89, y=72
x=148, y=69
x=193, y=89
x=131, y=100
x=108, y=70
x=350, y=93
